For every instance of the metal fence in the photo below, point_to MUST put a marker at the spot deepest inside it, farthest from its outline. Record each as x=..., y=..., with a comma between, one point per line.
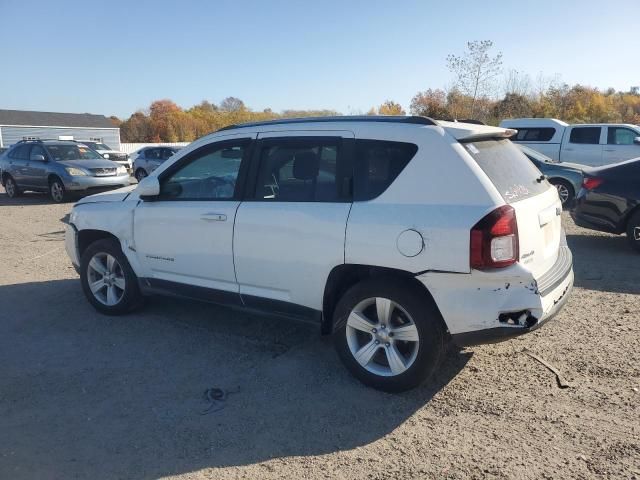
x=132, y=147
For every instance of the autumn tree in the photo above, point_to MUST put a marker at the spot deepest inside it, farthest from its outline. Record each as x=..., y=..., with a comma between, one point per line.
x=475, y=71
x=390, y=108
x=430, y=103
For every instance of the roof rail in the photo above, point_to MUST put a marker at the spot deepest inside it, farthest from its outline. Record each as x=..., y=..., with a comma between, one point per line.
x=342, y=118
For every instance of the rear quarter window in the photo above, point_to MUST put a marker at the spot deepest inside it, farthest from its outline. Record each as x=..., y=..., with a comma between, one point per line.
x=534, y=134
x=378, y=164
x=510, y=171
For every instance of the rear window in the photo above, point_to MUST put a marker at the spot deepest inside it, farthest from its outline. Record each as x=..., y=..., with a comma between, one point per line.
x=534, y=134
x=508, y=168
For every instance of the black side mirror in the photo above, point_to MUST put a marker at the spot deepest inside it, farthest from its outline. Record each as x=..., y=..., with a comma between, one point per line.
x=636, y=140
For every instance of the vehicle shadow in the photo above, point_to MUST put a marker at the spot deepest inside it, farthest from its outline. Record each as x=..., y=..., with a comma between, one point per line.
x=27, y=198
x=605, y=263
x=89, y=396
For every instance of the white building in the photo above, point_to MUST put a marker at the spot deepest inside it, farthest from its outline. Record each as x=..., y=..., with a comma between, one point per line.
x=16, y=125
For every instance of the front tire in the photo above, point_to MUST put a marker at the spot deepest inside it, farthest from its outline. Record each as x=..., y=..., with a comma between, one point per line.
x=633, y=231
x=566, y=191
x=388, y=333
x=57, y=192
x=11, y=187
x=108, y=281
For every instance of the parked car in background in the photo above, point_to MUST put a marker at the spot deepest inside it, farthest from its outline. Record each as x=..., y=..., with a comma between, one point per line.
x=588, y=144
x=395, y=234
x=147, y=159
x=566, y=177
x=59, y=167
x=107, y=152
x=609, y=200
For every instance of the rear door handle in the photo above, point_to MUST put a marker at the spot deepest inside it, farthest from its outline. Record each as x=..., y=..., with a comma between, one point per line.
x=213, y=217
x=609, y=150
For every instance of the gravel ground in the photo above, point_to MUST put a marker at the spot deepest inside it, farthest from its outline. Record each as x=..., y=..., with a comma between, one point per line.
x=88, y=396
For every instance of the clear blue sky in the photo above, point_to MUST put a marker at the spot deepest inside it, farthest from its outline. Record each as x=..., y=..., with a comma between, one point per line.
x=114, y=57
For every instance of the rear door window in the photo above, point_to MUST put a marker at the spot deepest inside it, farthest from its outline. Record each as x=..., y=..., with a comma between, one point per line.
x=20, y=152
x=303, y=169
x=510, y=171
x=585, y=135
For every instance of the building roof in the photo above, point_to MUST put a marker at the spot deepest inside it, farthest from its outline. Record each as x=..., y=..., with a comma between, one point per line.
x=54, y=119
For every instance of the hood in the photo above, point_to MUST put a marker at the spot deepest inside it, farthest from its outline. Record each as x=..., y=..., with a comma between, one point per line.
x=100, y=163
x=118, y=195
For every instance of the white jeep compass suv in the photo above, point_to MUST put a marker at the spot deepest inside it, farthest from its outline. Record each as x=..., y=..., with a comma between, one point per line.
x=395, y=234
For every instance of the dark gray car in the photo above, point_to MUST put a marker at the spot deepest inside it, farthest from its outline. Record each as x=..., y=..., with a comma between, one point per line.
x=59, y=168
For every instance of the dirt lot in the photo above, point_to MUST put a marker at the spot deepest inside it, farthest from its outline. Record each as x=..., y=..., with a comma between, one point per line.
x=87, y=396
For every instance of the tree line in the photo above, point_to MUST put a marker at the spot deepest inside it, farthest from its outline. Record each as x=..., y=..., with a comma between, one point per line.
x=480, y=90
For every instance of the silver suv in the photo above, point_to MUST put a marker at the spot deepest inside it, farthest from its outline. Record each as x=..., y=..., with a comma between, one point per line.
x=147, y=159
x=59, y=168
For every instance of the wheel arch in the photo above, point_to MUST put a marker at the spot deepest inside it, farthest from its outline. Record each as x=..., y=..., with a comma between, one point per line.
x=53, y=176
x=89, y=236
x=627, y=217
x=343, y=277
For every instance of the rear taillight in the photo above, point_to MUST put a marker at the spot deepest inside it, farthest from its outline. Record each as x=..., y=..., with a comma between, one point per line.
x=494, y=239
x=589, y=183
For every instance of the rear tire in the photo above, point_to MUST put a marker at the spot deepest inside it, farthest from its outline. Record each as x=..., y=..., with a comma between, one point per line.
x=369, y=344
x=11, y=187
x=107, y=279
x=57, y=192
x=633, y=231
x=566, y=191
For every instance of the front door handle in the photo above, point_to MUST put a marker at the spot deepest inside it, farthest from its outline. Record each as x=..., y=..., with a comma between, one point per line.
x=213, y=217
x=609, y=150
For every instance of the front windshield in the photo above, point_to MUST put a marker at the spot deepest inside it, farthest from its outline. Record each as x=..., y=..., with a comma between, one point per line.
x=530, y=152
x=61, y=153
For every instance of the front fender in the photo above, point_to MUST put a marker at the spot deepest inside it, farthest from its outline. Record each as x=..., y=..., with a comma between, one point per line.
x=113, y=218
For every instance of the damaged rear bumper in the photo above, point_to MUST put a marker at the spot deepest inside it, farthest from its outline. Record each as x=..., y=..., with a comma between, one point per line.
x=488, y=307
x=499, y=334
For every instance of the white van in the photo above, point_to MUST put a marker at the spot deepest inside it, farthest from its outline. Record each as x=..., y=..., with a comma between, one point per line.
x=395, y=234
x=588, y=144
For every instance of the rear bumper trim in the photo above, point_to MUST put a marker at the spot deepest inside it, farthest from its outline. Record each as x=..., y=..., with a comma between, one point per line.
x=548, y=282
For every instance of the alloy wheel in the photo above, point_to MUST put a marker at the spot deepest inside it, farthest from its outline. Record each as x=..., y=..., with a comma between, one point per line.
x=563, y=192
x=106, y=279
x=382, y=336
x=10, y=187
x=57, y=192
